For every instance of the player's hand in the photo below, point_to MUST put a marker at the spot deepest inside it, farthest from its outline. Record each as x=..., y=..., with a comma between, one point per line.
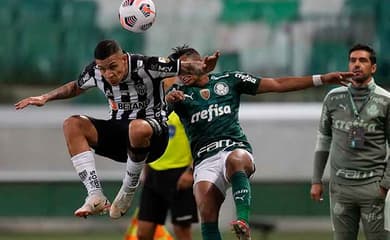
x=210, y=62
x=36, y=101
x=185, y=181
x=342, y=78
x=174, y=96
x=316, y=192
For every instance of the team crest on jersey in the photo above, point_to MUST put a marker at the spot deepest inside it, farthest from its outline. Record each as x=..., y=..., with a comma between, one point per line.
x=372, y=110
x=140, y=88
x=221, y=89
x=109, y=93
x=205, y=94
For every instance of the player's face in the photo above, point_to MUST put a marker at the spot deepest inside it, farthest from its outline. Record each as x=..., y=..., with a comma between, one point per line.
x=190, y=80
x=114, y=68
x=361, y=65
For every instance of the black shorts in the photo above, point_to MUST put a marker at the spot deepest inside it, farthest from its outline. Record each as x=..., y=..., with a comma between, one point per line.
x=114, y=142
x=159, y=194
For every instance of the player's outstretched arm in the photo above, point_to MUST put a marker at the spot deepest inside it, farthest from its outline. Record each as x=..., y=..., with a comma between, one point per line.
x=199, y=68
x=68, y=90
x=286, y=84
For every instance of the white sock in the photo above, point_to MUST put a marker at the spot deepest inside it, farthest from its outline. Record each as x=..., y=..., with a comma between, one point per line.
x=133, y=171
x=84, y=163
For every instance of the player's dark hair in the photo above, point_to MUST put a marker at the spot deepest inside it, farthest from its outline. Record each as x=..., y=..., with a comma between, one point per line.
x=366, y=48
x=106, y=48
x=184, y=50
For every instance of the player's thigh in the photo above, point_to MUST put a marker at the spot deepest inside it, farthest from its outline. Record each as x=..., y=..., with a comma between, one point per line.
x=344, y=210
x=212, y=170
x=372, y=211
x=113, y=140
x=209, y=199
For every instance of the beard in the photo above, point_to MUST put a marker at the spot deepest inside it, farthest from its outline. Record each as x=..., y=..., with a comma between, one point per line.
x=361, y=78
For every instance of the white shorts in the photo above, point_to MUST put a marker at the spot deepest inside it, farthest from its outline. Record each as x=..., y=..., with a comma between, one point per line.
x=213, y=169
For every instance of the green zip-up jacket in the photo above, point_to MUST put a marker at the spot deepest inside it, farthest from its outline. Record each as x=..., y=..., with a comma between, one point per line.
x=354, y=165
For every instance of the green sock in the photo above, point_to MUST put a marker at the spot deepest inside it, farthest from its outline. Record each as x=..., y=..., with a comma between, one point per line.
x=242, y=195
x=210, y=231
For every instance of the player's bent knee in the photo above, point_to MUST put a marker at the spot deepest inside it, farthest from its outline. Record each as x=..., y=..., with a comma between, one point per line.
x=71, y=123
x=240, y=162
x=140, y=128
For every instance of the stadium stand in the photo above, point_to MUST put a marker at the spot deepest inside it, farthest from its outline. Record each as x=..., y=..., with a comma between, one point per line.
x=49, y=37
x=78, y=14
x=7, y=12
x=131, y=42
x=39, y=55
x=229, y=61
x=271, y=11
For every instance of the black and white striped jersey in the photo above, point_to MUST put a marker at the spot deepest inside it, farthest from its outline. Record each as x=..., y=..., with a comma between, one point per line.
x=140, y=95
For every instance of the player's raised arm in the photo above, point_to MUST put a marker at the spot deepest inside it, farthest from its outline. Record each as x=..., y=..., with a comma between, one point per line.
x=200, y=67
x=286, y=84
x=68, y=90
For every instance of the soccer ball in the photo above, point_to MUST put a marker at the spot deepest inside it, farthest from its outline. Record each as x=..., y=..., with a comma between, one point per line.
x=137, y=15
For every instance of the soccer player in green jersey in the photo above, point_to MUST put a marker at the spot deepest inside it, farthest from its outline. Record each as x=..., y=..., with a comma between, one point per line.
x=208, y=107
x=353, y=133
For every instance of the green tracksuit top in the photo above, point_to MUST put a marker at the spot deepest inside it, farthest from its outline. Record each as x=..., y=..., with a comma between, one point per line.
x=356, y=165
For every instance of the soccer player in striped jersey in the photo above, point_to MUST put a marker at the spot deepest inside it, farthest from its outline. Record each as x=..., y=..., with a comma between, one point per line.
x=354, y=133
x=136, y=132
x=208, y=107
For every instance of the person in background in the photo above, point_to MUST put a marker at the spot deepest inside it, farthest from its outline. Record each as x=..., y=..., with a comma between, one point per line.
x=353, y=134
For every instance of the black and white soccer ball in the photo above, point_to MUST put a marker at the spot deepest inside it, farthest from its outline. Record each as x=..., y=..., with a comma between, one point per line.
x=137, y=15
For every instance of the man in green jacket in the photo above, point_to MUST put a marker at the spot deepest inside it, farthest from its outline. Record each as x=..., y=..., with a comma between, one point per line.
x=353, y=134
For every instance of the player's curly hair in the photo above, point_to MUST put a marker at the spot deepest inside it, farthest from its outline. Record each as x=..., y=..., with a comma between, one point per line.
x=184, y=50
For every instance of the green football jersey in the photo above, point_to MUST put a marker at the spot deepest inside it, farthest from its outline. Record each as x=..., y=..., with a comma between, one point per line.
x=351, y=164
x=210, y=113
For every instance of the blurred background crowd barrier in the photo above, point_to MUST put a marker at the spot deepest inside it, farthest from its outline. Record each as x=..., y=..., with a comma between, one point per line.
x=45, y=43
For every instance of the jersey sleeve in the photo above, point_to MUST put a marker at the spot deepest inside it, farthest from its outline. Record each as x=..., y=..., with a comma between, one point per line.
x=325, y=127
x=87, y=77
x=157, y=67
x=324, y=138
x=246, y=83
x=324, y=133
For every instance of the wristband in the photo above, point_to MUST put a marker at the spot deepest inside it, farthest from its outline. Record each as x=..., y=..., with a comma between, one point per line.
x=317, y=80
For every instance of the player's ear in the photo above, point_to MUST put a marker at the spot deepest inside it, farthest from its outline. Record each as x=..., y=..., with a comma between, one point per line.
x=373, y=68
